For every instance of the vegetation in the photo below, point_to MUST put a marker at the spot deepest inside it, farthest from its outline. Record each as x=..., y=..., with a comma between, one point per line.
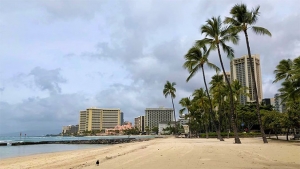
x=242, y=19
x=196, y=58
x=169, y=89
x=215, y=111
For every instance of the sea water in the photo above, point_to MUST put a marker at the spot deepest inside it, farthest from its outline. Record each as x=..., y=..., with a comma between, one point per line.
x=24, y=150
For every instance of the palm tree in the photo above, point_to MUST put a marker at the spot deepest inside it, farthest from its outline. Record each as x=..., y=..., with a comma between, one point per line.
x=169, y=89
x=201, y=102
x=195, y=60
x=242, y=19
x=186, y=103
x=283, y=70
x=218, y=91
x=238, y=90
x=217, y=35
x=289, y=71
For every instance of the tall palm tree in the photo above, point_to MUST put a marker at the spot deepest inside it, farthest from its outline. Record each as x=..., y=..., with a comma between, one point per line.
x=242, y=19
x=216, y=36
x=196, y=58
x=169, y=89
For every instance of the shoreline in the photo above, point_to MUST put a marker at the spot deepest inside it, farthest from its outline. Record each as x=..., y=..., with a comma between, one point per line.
x=173, y=153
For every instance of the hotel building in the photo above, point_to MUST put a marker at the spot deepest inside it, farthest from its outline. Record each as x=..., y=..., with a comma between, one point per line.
x=153, y=116
x=240, y=70
x=97, y=119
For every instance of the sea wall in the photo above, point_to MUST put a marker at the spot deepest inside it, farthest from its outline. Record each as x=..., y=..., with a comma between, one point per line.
x=93, y=141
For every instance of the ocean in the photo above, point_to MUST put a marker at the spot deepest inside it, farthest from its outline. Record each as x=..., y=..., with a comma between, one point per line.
x=24, y=150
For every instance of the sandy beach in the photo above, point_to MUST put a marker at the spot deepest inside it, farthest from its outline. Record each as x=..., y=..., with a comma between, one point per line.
x=172, y=153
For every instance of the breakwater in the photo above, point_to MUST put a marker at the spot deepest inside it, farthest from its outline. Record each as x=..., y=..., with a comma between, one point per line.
x=92, y=141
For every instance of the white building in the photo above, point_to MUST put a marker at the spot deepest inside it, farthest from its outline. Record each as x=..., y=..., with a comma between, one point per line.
x=240, y=70
x=163, y=125
x=153, y=116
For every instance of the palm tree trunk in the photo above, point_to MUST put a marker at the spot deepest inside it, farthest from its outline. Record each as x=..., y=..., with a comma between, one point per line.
x=233, y=124
x=211, y=109
x=255, y=91
x=174, y=115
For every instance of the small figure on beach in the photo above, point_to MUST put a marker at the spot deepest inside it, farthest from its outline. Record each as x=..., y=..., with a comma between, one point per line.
x=97, y=162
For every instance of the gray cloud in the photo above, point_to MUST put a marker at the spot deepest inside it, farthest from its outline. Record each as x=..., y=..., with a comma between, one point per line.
x=47, y=79
x=119, y=53
x=41, y=114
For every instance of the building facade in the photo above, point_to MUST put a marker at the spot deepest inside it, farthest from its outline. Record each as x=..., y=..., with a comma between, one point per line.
x=153, y=116
x=97, y=119
x=240, y=70
x=228, y=77
x=122, y=118
x=268, y=101
x=278, y=104
x=139, y=122
x=70, y=129
x=163, y=125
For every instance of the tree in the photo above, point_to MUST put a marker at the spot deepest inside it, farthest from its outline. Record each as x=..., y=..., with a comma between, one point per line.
x=219, y=92
x=217, y=35
x=196, y=58
x=186, y=103
x=147, y=130
x=242, y=19
x=155, y=130
x=201, y=103
x=169, y=89
x=289, y=71
x=283, y=70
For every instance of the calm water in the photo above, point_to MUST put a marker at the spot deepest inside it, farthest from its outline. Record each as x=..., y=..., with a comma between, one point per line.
x=23, y=150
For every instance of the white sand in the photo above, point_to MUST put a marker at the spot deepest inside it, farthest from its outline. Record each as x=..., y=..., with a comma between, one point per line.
x=170, y=153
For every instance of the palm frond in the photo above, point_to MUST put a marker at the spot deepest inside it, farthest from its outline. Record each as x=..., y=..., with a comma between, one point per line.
x=261, y=30
x=228, y=50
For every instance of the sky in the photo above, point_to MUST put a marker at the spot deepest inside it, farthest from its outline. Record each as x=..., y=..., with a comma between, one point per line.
x=60, y=57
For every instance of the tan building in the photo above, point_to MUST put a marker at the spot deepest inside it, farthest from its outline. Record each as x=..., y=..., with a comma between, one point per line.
x=240, y=70
x=228, y=76
x=139, y=122
x=99, y=119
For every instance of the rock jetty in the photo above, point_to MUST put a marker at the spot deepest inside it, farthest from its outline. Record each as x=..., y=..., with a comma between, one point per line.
x=93, y=141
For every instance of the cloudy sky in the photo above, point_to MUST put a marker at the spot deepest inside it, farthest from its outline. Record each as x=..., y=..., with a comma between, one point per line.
x=60, y=57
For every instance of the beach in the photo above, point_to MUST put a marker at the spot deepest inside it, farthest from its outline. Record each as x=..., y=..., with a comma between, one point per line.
x=175, y=153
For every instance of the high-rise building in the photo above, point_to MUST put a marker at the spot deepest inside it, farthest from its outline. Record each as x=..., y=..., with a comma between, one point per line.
x=279, y=104
x=82, y=121
x=122, y=118
x=153, y=116
x=240, y=70
x=268, y=101
x=97, y=119
x=139, y=122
